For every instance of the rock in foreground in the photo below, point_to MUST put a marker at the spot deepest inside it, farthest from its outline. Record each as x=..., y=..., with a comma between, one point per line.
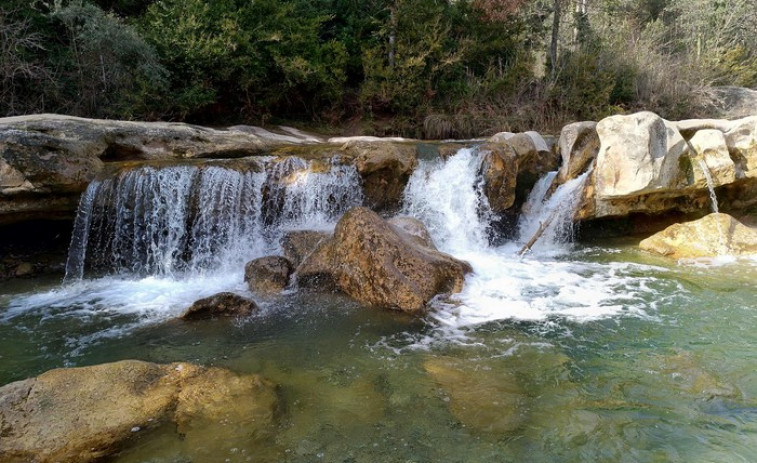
x=85, y=414
x=220, y=305
x=267, y=275
x=379, y=264
x=710, y=236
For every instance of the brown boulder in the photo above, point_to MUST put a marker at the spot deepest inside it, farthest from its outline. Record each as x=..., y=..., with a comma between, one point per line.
x=86, y=414
x=268, y=275
x=414, y=228
x=220, y=305
x=298, y=244
x=499, y=170
x=710, y=236
x=385, y=169
x=381, y=265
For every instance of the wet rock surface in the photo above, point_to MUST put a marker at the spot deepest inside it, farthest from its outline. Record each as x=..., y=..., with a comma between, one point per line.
x=220, y=305
x=268, y=275
x=381, y=265
x=298, y=244
x=86, y=414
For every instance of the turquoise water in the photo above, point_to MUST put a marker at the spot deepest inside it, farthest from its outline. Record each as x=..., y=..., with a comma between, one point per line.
x=669, y=375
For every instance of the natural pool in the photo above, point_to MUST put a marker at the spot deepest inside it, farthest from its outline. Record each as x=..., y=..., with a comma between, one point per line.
x=573, y=353
x=671, y=376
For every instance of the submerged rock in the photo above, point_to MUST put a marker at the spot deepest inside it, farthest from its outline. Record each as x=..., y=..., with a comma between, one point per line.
x=381, y=265
x=710, y=236
x=220, y=305
x=484, y=400
x=268, y=275
x=85, y=414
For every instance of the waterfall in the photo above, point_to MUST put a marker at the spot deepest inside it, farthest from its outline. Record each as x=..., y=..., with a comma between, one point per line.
x=447, y=196
x=175, y=220
x=713, y=202
x=554, y=213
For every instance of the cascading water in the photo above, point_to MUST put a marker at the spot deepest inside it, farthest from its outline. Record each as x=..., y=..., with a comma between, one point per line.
x=150, y=241
x=713, y=202
x=195, y=219
x=445, y=195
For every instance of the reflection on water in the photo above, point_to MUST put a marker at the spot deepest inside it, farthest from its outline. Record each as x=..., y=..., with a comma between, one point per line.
x=674, y=383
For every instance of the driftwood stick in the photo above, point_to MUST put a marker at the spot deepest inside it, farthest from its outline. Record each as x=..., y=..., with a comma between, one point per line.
x=542, y=228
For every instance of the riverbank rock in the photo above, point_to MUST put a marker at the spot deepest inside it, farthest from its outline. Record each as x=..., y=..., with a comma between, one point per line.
x=220, y=305
x=578, y=146
x=85, y=414
x=268, y=275
x=710, y=236
x=298, y=244
x=47, y=160
x=385, y=169
x=381, y=265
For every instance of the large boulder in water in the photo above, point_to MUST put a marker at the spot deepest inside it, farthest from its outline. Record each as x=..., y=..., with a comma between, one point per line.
x=381, y=265
x=499, y=171
x=710, y=236
x=220, y=305
x=85, y=414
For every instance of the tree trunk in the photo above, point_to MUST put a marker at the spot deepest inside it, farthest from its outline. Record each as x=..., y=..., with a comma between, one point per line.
x=553, y=42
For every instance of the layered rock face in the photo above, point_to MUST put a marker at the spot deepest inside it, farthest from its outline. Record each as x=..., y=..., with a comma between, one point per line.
x=710, y=236
x=645, y=164
x=379, y=264
x=86, y=414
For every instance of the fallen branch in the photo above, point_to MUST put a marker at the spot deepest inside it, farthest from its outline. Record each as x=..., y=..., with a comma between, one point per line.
x=542, y=228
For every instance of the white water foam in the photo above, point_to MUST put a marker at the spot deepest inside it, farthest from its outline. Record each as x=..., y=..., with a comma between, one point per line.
x=446, y=196
x=165, y=237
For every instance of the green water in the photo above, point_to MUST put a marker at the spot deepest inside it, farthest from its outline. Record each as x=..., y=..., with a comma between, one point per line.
x=676, y=384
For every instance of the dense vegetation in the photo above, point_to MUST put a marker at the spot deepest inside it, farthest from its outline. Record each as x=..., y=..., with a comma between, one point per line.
x=433, y=68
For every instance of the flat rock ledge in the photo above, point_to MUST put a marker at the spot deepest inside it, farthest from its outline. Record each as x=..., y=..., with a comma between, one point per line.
x=711, y=236
x=86, y=414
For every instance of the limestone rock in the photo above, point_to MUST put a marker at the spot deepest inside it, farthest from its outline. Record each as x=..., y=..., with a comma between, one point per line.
x=267, y=275
x=381, y=265
x=710, y=148
x=298, y=244
x=86, y=414
x=638, y=154
x=741, y=139
x=499, y=170
x=710, y=236
x=385, y=169
x=220, y=305
x=578, y=145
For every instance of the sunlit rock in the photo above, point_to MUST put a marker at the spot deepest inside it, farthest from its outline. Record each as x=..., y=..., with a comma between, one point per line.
x=85, y=414
x=220, y=305
x=710, y=236
x=578, y=145
x=638, y=154
x=710, y=149
x=268, y=275
x=741, y=139
x=381, y=265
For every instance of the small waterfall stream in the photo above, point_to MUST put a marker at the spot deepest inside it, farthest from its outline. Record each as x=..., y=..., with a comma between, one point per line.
x=713, y=202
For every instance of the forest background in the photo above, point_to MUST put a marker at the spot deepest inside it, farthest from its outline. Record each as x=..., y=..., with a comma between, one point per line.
x=422, y=68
